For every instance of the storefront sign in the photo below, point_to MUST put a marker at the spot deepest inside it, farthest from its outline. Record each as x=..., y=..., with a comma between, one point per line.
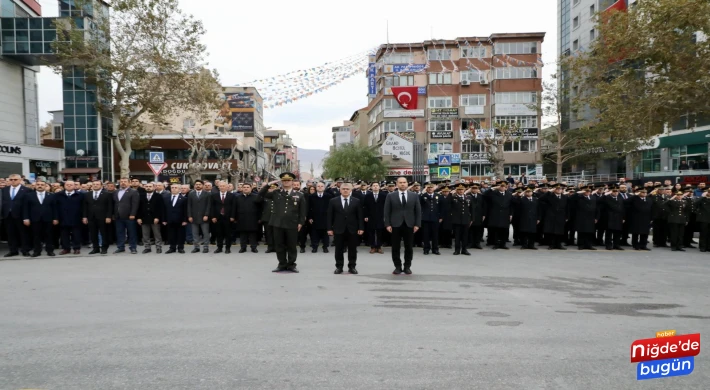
x=83, y=158
x=531, y=133
x=473, y=110
x=456, y=158
x=443, y=112
x=441, y=134
x=404, y=113
x=399, y=147
x=181, y=168
x=43, y=164
x=514, y=109
x=474, y=157
x=402, y=172
x=10, y=149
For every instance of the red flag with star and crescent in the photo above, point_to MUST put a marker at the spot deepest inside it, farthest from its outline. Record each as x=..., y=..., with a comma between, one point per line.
x=406, y=97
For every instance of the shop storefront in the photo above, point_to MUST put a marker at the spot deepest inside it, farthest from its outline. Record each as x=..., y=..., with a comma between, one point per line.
x=31, y=161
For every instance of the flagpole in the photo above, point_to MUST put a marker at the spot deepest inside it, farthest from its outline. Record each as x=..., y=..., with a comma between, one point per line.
x=388, y=31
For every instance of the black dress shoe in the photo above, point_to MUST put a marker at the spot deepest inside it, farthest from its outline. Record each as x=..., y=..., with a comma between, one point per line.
x=119, y=251
x=181, y=251
x=689, y=246
x=338, y=271
x=303, y=250
x=645, y=248
x=51, y=254
x=325, y=250
x=352, y=271
x=618, y=248
x=11, y=254
x=196, y=250
x=158, y=251
x=104, y=251
x=218, y=250
x=279, y=269
x=314, y=250
x=456, y=253
x=95, y=251
x=35, y=255
x=561, y=248
x=397, y=271
x=146, y=251
x=503, y=247
x=269, y=250
x=681, y=250
x=477, y=246
x=169, y=251
x=242, y=250
x=436, y=252
x=227, y=251
x=467, y=253
x=133, y=252
x=293, y=269
x=254, y=250
x=426, y=252
x=26, y=254
x=205, y=250
x=407, y=271
x=591, y=248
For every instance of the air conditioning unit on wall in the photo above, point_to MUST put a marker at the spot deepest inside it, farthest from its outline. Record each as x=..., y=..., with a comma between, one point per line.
x=465, y=82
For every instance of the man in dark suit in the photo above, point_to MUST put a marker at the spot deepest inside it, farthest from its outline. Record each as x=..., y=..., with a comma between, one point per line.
x=403, y=217
x=374, y=212
x=317, y=217
x=150, y=217
x=12, y=203
x=346, y=223
x=97, y=212
x=175, y=220
x=529, y=209
x=70, y=204
x=247, y=211
x=431, y=218
x=40, y=213
x=126, y=203
x=198, y=213
x=222, y=217
x=500, y=214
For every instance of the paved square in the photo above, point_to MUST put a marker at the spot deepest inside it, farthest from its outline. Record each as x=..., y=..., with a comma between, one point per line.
x=495, y=320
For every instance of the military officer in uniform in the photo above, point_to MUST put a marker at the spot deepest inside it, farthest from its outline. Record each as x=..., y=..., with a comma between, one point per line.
x=431, y=218
x=677, y=210
x=461, y=213
x=267, y=209
x=288, y=217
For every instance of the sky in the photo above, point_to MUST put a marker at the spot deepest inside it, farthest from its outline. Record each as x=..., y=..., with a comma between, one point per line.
x=248, y=40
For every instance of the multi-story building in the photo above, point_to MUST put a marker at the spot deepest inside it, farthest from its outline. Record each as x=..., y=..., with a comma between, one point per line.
x=21, y=149
x=281, y=154
x=467, y=83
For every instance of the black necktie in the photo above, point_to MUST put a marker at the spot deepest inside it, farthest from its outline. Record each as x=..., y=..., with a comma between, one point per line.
x=404, y=200
x=346, y=203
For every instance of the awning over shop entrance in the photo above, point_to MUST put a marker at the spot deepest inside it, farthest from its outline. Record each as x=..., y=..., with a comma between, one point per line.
x=76, y=171
x=690, y=138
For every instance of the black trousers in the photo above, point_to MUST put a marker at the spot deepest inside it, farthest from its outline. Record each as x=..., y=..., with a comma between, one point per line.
x=223, y=232
x=96, y=227
x=688, y=233
x=677, y=231
x=430, y=235
x=660, y=232
x=176, y=235
x=585, y=240
x=500, y=235
x=613, y=238
x=556, y=240
x=639, y=241
x=375, y=238
x=17, y=237
x=460, y=237
x=71, y=237
x=42, y=232
x=527, y=240
x=319, y=236
x=351, y=240
x=247, y=238
x=704, y=236
x=269, y=236
x=400, y=233
x=285, y=244
x=303, y=236
x=475, y=235
x=600, y=235
x=445, y=237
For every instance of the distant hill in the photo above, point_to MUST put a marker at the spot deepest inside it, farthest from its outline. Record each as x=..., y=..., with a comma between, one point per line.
x=308, y=156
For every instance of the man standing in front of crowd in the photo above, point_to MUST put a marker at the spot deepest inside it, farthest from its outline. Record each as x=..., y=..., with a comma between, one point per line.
x=247, y=214
x=288, y=218
x=317, y=217
x=40, y=214
x=375, y=217
x=431, y=218
x=346, y=224
x=176, y=220
x=461, y=213
x=126, y=203
x=70, y=203
x=150, y=218
x=198, y=214
x=222, y=217
x=500, y=214
x=403, y=217
x=98, y=208
x=12, y=203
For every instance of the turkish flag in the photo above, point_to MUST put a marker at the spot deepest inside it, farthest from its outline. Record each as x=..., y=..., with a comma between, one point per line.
x=406, y=97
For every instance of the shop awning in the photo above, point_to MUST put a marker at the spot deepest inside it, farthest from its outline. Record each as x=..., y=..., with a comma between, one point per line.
x=690, y=138
x=74, y=171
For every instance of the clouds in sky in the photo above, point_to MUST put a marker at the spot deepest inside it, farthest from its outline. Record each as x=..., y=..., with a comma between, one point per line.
x=259, y=39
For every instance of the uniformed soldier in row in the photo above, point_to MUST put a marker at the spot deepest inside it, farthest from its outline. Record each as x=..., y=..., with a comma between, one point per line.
x=461, y=213
x=677, y=209
x=288, y=217
x=431, y=218
x=529, y=219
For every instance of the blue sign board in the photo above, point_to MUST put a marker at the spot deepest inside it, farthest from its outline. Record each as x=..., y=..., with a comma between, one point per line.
x=156, y=157
x=372, y=79
x=444, y=159
x=408, y=68
x=421, y=91
x=431, y=161
x=456, y=158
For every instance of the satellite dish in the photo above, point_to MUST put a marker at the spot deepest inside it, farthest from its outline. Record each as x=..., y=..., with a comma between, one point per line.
x=80, y=152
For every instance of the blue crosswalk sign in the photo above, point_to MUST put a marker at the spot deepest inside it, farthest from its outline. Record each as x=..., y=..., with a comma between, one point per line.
x=444, y=172
x=156, y=157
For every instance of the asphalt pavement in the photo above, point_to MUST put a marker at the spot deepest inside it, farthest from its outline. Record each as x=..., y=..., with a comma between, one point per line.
x=495, y=320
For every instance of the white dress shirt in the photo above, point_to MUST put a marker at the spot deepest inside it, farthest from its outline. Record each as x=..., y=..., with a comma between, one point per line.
x=343, y=199
x=400, y=195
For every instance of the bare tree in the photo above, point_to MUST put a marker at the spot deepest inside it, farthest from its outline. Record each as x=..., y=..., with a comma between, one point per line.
x=228, y=162
x=199, y=153
x=494, y=141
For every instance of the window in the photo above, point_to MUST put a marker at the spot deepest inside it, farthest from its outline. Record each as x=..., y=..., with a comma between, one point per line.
x=473, y=100
x=591, y=11
x=188, y=124
x=650, y=161
x=472, y=76
x=521, y=121
x=473, y=52
x=399, y=81
x=468, y=124
x=575, y=22
x=575, y=91
x=439, y=78
x=397, y=126
x=591, y=34
x=440, y=148
x=510, y=72
x=472, y=147
x=575, y=44
x=57, y=132
x=439, y=54
x=516, y=97
x=390, y=104
x=441, y=126
x=398, y=58
x=516, y=48
x=440, y=102
x=575, y=2
x=521, y=146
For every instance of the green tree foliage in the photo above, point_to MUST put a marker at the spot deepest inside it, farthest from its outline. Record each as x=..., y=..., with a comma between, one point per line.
x=145, y=60
x=649, y=66
x=354, y=162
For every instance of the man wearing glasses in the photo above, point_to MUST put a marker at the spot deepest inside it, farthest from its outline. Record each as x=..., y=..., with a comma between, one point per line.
x=13, y=197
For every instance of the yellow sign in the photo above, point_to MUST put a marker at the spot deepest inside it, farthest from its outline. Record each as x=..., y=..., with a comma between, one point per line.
x=455, y=169
x=175, y=180
x=665, y=333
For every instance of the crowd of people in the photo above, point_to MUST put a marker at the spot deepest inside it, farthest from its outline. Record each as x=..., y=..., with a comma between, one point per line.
x=283, y=214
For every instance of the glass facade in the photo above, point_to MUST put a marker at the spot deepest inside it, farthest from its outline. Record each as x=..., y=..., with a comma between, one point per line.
x=81, y=121
x=23, y=36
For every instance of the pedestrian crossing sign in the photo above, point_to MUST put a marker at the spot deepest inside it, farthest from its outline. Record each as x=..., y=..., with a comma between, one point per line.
x=444, y=159
x=156, y=157
x=444, y=173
